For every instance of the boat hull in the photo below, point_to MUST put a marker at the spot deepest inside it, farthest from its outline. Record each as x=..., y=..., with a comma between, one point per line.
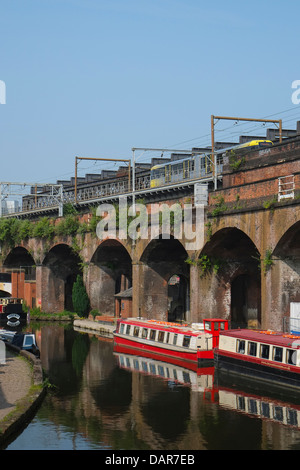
x=169, y=355
x=279, y=375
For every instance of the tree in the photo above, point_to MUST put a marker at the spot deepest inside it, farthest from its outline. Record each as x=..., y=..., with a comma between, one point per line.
x=80, y=298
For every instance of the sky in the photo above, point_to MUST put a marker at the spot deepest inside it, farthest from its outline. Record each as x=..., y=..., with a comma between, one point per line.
x=95, y=78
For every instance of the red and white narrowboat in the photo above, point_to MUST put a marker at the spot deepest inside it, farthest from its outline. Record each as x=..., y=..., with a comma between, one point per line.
x=268, y=356
x=171, y=341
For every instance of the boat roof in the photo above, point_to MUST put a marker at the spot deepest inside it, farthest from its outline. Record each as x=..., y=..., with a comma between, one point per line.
x=162, y=325
x=265, y=336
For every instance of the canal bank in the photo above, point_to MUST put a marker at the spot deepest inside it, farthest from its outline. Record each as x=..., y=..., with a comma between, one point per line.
x=105, y=327
x=21, y=391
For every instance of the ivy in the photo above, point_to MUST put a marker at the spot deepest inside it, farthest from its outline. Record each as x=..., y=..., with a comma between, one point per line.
x=206, y=264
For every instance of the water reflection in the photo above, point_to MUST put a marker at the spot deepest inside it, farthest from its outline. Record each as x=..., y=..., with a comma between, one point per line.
x=106, y=399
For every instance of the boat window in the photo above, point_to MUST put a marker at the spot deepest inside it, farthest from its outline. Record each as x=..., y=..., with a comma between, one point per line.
x=161, y=335
x=144, y=366
x=167, y=337
x=144, y=333
x=291, y=356
x=122, y=328
x=136, y=331
x=186, y=341
x=265, y=409
x=278, y=413
x=28, y=341
x=277, y=354
x=252, y=406
x=240, y=346
x=264, y=351
x=152, y=334
x=207, y=325
x=128, y=329
x=292, y=418
x=252, y=348
x=175, y=339
x=241, y=403
x=222, y=326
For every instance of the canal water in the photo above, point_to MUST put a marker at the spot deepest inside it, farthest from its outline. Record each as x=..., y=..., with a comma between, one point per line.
x=101, y=399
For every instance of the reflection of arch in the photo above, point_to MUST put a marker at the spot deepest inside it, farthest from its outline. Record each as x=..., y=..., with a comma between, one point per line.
x=238, y=278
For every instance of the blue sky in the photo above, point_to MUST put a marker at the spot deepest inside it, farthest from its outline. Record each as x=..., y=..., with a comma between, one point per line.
x=94, y=78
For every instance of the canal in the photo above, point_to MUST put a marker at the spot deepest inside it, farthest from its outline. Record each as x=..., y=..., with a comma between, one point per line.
x=104, y=400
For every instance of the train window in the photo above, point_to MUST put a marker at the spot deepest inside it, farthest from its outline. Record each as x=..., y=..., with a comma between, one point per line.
x=161, y=335
x=240, y=346
x=252, y=348
x=186, y=341
x=144, y=333
x=128, y=329
x=291, y=356
x=152, y=334
x=277, y=354
x=264, y=351
x=136, y=331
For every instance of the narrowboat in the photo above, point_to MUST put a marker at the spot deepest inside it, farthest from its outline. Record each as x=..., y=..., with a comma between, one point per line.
x=267, y=356
x=171, y=341
x=24, y=341
x=11, y=311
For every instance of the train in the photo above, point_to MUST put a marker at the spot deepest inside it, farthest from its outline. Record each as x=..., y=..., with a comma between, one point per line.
x=198, y=166
x=194, y=166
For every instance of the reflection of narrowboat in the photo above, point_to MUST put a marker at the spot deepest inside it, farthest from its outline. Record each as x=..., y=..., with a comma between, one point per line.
x=268, y=356
x=173, y=374
x=262, y=407
x=11, y=311
x=192, y=344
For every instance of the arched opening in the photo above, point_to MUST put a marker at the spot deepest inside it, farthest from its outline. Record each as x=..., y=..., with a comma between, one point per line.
x=285, y=274
x=63, y=266
x=110, y=273
x=235, y=287
x=178, y=298
x=18, y=276
x=166, y=275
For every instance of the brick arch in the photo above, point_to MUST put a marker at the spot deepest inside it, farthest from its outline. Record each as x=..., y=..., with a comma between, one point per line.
x=159, y=298
x=229, y=270
x=60, y=267
x=109, y=273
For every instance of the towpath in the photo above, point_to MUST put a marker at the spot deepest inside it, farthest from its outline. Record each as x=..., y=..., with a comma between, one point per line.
x=15, y=382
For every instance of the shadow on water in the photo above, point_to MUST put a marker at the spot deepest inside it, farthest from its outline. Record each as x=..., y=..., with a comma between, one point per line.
x=102, y=399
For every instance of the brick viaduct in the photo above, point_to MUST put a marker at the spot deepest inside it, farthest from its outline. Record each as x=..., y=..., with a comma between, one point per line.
x=248, y=269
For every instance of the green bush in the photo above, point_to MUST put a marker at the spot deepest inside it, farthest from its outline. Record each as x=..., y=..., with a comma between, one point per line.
x=80, y=299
